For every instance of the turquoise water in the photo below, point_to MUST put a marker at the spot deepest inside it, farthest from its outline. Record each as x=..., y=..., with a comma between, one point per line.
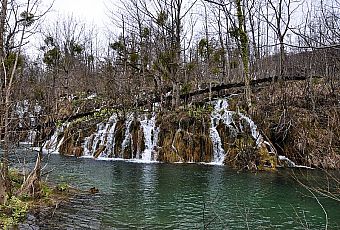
x=184, y=196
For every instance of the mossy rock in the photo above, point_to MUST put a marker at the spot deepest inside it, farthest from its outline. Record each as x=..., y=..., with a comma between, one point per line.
x=99, y=151
x=241, y=154
x=119, y=137
x=267, y=161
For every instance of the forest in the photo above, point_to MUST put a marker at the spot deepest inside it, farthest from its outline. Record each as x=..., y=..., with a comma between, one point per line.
x=277, y=62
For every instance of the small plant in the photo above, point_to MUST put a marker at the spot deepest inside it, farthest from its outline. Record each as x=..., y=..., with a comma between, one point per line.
x=46, y=191
x=11, y=213
x=15, y=177
x=76, y=103
x=199, y=111
x=59, y=123
x=62, y=187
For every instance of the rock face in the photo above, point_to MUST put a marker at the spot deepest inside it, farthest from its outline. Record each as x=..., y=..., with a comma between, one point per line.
x=211, y=134
x=184, y=138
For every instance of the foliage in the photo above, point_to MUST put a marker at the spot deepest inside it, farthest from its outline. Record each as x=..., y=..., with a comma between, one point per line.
x=15, y=177
x=199, y=111
x=10, y=60
x=202, y=47
x=14, y=211
x=52, y=57
x=186, y=88
x=62, y=187
x=118, y=46
x=49, y=41
x=191, y=66
x=205, y=48
x=76, y=48
x=162, y=18
x=46, y=190
x=59, y=123
x=27, y=18
x=145, y=32
x=218, y=55
x=134, y=58
x=234, y=32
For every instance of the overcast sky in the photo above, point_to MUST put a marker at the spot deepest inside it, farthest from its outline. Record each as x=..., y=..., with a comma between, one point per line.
x=93, y=11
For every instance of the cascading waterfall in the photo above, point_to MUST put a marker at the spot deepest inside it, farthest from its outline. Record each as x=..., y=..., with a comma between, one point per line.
x=52, y=145
x=127, y=136
x=110, y=144
x=27, y=117
x=87, y=146
x=104, y=136
x=254, y=131
x=97, y=139
x=222, y=114
x=21, y=108
x=101, y=144
x=31, y=137
x=151, y=137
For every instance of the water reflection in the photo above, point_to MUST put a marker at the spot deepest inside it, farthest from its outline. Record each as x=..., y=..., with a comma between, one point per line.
x=184, y=196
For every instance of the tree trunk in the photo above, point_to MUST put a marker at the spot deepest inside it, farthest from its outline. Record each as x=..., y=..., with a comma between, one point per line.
x=244, y=51
x=32, y=184
x=282, y=59
x=3, y=16
x=4, y=179
x=6, y=190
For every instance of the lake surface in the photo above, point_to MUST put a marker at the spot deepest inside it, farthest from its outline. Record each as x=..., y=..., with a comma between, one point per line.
x=184, y=196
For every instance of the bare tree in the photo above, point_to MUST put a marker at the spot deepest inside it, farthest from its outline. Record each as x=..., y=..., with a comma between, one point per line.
x=239, y=31
x=283, y=12
x=4, y=177
x=23, y=18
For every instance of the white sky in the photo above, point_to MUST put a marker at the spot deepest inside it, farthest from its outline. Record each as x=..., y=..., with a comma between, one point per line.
x=93, y=11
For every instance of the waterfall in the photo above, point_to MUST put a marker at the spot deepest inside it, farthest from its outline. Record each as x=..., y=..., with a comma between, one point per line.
x=219, y=113
x=110, y=144
x=217, y=146
x=127, y=136
x=87, y=145
x=101, y=144
x=27, y=119
x=254, y=131
x=52, y=145
x=31, y=135
x=104, y=136
x=150, y=136
x=99, y=137
x=21, y=108
x=222, y=114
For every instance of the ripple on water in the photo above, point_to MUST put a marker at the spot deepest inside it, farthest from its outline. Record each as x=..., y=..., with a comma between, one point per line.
x=183, y=196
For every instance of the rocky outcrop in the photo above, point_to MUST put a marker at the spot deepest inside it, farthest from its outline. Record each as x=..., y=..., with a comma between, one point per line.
x=72, y=136
x=210, y=134
x=184, y=138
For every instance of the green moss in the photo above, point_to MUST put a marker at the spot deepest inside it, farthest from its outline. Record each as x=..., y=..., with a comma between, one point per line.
x=46, y=190
x=15, y=177
x=17, y=207
x=198, y=112
x=59, y=123
x=62, y=187
x=13, y=212
x=266, y=161
x=186, y=88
